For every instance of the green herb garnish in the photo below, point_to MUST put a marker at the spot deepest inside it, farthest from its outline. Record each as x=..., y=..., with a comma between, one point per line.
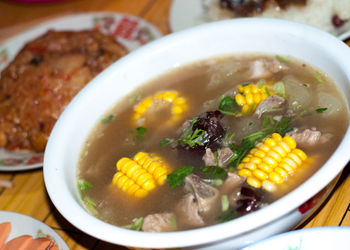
x=83, y=186
x=318, y=78
x=213, y=172
x=224, y=203
x=107, y=119
x=136, y=224
x=140, y=134
x=90, y=205
x=135, y=98
x=282, y=58
x=248, y=142
x=177, y=177
x=321, y=110
x=227, y=217
x=228, y=106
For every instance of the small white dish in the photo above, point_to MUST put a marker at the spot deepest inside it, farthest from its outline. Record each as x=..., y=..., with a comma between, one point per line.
x=320, y=238
x=25, y=225
x=131, y=31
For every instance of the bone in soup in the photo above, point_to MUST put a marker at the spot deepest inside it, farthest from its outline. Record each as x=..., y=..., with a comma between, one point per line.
x=210, y=141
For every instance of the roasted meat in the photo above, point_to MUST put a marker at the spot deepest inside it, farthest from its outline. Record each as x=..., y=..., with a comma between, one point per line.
x=43, y=78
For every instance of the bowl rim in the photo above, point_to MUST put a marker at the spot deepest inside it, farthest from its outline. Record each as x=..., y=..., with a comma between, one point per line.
x=76, y=215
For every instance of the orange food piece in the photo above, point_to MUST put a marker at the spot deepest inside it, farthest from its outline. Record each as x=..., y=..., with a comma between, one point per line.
x=42, y=244
x=18, y=243
x=5, y=229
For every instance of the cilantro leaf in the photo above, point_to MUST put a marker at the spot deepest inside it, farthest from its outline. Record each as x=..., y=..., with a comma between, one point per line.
x=321, y=110
x=213, y=172
x=107, y=119
x=177, y=177
x=140, y=134
x=227, y=217
x=228, y=106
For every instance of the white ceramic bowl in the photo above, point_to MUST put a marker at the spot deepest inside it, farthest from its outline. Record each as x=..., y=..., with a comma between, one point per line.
x=225, y=37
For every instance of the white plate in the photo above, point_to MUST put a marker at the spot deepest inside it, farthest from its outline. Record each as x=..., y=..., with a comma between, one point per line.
x=320, y=238
x=129, y=30
x=26, y=225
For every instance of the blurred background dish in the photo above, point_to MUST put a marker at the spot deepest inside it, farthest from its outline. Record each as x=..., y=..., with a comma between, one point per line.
x=132, y=32
x=331, y=16
x=25, y=225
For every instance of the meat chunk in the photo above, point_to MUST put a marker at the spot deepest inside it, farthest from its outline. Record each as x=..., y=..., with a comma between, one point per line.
x=233, y=181
x=270, y=103
x=265, y=68
x=187, y=211
x=224, y=155
x=310, y=137
x=43, y=78
x=160, y=222
x=206, y=196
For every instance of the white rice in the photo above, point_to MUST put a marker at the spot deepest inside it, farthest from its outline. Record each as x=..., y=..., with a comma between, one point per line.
x=317, y=13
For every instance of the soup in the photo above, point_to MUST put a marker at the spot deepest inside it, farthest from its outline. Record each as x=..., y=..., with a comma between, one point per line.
x=209, y=142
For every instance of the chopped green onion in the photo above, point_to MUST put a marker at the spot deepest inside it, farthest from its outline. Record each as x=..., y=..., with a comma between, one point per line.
x=135, y=98
x=282, y=58
x=318, y=78
x=321, y=110
x=136, y=225
x=84, y=185
x=227, y=217
x=174, y=222
x=90, y=205
x=140, y=134
x=107, y=119
x=224, y=203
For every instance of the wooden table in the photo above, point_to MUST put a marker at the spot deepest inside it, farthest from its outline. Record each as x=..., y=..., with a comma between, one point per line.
x=28, y=195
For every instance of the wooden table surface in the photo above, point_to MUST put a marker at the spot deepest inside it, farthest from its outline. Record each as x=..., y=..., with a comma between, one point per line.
x=28, y=195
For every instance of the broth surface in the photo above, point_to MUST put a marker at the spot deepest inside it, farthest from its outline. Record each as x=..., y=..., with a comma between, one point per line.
x=313, y=102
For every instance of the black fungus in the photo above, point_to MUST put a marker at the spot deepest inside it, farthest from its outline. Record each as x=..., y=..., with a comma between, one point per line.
x=250, y=201
x=210, y=123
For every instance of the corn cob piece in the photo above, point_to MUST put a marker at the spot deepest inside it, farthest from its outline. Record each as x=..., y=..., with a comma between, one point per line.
x=271, y=162
x=250, y=96
x=141, y=174
x=178, y=105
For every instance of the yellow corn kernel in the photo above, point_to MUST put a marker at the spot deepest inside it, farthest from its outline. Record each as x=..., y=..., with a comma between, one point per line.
x=250, y=166
x=250, y=96
x=141, y=174
x=271, y=162
x=256, y=98
x=275, y=177
x=255, y=89
x=178, y=106
x=266, y=168
x=245, y=109
x=281, y=172
x=245, y=172
x=290, y=142
x=270, y=142
x=299, y=153
x=240, y=99
x=252, y=181
x=261, y=175
x=263, y=147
